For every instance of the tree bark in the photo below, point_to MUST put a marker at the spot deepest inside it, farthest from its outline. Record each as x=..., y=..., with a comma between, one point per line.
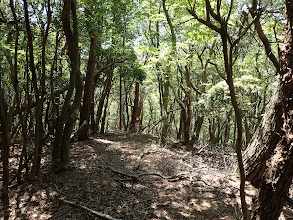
x=107, y=87
x=166, y=84
x=38, y=110
x=4, y=152
x=278, y=173
x=264, y=140
x=67, y=119
x=135, y=109
x=120, y=103
x=102, y=131
x=88, y=89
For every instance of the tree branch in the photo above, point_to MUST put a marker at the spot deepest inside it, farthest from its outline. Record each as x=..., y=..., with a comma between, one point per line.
x=205, y=22
x=182, y=105
x=211, y=11
x=88, y=209
x=219, y=72
x=243, y=33
x=262, y=36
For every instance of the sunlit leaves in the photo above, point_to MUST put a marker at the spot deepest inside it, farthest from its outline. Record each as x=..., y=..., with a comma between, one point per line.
x=248, y=90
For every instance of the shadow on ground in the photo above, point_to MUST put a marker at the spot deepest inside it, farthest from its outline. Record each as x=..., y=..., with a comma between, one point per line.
x=93, y=184
x=202, y=189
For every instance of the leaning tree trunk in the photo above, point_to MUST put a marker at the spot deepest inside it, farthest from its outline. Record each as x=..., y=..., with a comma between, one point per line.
x=264, y=140
x=278, y=173
x=267, y=136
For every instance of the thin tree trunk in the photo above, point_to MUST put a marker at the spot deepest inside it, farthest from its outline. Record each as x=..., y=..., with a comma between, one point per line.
x=107, y=87
x=102, y=131
x=120, y=103
x=14, y=80
x=35, y=167
x=166, y=83
x=135, y=109
x=179, y=133
x=228, y=55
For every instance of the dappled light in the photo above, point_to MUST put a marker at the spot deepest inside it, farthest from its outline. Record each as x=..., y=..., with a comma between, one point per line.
x=146, y=110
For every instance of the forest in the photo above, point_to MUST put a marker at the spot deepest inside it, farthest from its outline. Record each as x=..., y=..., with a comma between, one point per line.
x=146, y=109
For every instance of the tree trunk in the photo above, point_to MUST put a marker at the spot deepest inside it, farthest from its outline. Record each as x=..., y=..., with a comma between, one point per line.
x=264, y=140
x=227, y=129
x=187, y=103
x=135, y=110
x=212, y=131
x=228, y=56
x=179, y=133
x=38, y=110
x=107, y=87
x=14, y=80
x=120, y=103
x=102, y=131
x=88, y=90
x=278, y=174
x=60, y=154
x=4, y=152
x=165, y=101
x=166, y=84
x=197, y=127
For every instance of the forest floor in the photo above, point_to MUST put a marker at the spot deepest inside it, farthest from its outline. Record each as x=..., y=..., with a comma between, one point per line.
x=106, y=177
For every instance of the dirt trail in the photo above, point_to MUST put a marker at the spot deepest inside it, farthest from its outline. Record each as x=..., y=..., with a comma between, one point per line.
x=183, y=185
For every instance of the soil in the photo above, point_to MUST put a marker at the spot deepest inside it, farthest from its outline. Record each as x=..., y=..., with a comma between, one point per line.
x=104, y=177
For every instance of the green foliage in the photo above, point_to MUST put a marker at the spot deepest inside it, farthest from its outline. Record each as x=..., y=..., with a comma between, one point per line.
x=137, y=33
x=132, y=71
x=217, y=99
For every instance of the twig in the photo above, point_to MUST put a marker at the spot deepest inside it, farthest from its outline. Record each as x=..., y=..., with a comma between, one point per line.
x=88, y=209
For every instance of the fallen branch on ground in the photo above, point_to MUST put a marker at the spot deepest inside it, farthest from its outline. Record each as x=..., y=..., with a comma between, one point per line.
x=88, y=209
x=137, y=176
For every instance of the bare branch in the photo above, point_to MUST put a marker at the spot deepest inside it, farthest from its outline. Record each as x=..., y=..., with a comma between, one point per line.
x=104, y=216
x=211, y=11
x=230, y=11
x=262, y=36
x=219, y=2
x=206, y=23
x=218, y=71
x=180, y=102
x=243, y=33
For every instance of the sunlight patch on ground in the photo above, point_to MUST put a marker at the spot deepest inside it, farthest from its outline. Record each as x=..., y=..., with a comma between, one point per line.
x=103, y=141
x=203, y=206
x=209, y=195
x=162, y=214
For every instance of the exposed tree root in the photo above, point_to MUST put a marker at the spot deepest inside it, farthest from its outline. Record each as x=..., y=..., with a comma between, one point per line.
x=137, y=176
